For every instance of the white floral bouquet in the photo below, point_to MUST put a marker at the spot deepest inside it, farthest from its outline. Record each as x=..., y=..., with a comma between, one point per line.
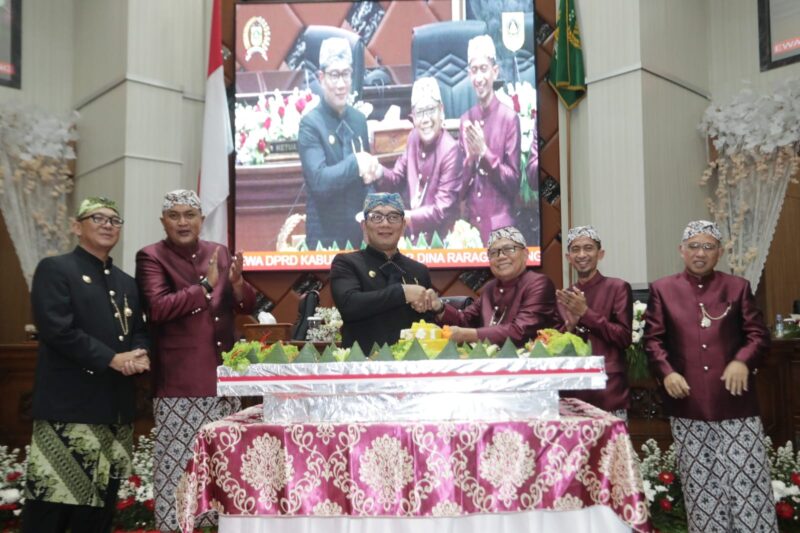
x=785, y=473
x=12, y=482
x=271, y=119
x=521, y=97
x=662, y=488
x=753, y=121
x=329, y=326
x=637, y=359
x=135, y=502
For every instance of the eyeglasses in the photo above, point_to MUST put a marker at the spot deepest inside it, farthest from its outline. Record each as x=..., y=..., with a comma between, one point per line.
x=428, y=112
x=189, y=216
x=336, y=75
x=102, y=220
x=377, y=218
x=706, y=246
x=507, y=251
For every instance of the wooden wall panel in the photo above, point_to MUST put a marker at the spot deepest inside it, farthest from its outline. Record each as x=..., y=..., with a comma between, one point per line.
x=15, y=310
x=780, y=280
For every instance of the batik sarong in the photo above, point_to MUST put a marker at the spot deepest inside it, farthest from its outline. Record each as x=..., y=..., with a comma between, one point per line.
x=725, y=475
x=72, y=463
x=177, y=422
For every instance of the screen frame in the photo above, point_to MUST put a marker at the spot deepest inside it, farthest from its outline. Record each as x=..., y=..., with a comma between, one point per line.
x=765, y=40
x=15, y=81
x=535, y=250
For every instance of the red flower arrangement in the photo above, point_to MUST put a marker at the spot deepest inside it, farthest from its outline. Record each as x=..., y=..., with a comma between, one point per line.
x=784, y=510
x=273, y=118
x=667, y=478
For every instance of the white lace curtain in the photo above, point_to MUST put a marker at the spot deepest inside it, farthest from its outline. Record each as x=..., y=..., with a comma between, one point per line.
x=35, y=182
x=757, y=138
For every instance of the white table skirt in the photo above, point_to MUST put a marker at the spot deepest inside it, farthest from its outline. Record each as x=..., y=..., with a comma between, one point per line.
x=596, y=519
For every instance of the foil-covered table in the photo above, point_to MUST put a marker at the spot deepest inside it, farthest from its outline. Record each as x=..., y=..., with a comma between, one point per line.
x=433, y=390
x=441, y=475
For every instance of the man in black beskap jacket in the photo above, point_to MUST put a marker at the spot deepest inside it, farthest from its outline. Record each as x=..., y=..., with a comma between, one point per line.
x=92, y=341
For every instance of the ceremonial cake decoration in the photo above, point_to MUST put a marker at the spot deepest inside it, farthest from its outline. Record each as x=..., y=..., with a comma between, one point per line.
x=431, y=337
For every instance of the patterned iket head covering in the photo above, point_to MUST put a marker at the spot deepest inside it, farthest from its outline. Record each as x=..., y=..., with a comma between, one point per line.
x=334, y=49
x=93, y=203
x=481, y=46
x=181, y=197
x=509, y=232
x=697, y=227
x=582, y=231
x=389, y=199
x=424, y=90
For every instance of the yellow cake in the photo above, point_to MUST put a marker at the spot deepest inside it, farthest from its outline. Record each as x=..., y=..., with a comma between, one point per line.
x=422, y=331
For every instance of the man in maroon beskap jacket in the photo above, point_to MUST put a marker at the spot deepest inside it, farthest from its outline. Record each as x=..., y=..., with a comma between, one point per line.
x=192, y=289
x=599, y=309
x=704, y=337
x=489, y=140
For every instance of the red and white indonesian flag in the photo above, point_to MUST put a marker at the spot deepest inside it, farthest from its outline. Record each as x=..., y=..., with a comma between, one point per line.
x=217, y=141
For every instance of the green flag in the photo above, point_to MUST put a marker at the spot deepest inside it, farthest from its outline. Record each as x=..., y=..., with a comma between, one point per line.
x=566, y=69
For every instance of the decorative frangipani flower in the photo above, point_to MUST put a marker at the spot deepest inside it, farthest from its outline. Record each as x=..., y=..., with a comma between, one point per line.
x=36, y=181
x=757, y=139
x=751, y=121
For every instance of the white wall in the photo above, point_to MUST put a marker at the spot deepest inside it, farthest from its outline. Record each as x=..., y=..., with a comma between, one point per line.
x=636, y=152
x=47, y=56
x=135, y=71
x=653, y=67
x=733, y=46
x=140, y=79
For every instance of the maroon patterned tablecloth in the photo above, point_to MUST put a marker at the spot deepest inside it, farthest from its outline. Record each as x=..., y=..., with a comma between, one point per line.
x=243, y=466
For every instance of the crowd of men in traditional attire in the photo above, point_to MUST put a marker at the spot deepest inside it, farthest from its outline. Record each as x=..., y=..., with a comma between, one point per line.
x=434, y=175
x=704, y=334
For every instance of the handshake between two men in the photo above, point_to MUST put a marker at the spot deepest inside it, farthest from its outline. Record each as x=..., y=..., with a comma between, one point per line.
x=424, y=300
x=369, y=168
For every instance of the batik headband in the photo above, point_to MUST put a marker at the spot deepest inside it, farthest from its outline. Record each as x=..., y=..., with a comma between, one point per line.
x=389, y=199
x=697, y=227
x=181, y=197
x=334, y=49
x=93, y=203
x=509, y=232
x=582, y=231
